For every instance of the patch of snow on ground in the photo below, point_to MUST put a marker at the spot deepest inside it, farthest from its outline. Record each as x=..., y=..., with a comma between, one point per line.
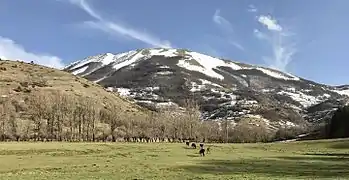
x=130, y=61
x=165, y=104
x=292, y=89
x=87, y=60
x=164, y=67
x=204, y=81
x=152, y=88
x=110, y=89
x=342, y=92
x=105, y=59
x=204, y=70
x=144, y=101
x=233, y=99
x=123, y=91
x=163, y=52
x=267, y=90
x=327, y=95
x=124, y=55
x=81, y=70
x=196, y=87
x=287, y=124
x=108, y=59
x=304, y=99
x=276, y=75
x=306, y=90
x=164, y=73
x=98, y=80
x=208, y=63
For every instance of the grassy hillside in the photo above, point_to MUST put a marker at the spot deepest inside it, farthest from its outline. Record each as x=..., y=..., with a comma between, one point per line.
x=41, y=102
x=22, y=80
x=297, y=160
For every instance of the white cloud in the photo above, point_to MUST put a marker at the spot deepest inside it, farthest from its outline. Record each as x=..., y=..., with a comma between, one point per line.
x=13, y=51
x=118, y=29
x=280, y=41
x=237, y=45
x=221, y=21
x=270, y=23
x=252, y=8
x=259, y=34
x=227, y=27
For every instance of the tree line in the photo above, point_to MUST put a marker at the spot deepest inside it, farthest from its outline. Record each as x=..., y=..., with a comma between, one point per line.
x=60, y=116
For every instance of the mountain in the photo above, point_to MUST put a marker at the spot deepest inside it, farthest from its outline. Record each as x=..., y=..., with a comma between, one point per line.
x=225, y=89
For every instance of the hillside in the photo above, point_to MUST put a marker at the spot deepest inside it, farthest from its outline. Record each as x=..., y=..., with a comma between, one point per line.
x=225, y=89
x=37, y=102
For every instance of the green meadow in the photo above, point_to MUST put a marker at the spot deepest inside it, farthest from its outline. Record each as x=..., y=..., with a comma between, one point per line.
x=322, y=159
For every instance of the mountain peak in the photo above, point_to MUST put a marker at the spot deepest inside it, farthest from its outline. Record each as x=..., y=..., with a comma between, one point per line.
x=189, y=60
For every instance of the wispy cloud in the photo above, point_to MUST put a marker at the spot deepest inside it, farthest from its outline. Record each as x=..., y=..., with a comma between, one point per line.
x=222, y=22
x=227, y=27
x=280, y=40
x=12, y=51
x=252, y=8
x=117, y=28
x=237, y=45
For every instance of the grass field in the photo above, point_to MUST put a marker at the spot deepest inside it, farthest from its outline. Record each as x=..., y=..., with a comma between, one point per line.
x=296, y=160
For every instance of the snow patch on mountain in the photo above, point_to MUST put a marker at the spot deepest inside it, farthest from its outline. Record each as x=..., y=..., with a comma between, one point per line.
x=128, y=61
x=277, y=75
x=204, y=81
x=342, y=92
x=123, y=91
x=205, y=64
x=105, y=59
x=304, y=99
x=163, y=52
x=164, y=73
x=80, y=70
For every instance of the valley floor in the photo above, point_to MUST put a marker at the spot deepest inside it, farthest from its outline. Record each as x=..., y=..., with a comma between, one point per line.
x=325, y=159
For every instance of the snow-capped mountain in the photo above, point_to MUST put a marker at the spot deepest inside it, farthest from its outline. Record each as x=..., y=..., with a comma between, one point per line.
x=225, y=89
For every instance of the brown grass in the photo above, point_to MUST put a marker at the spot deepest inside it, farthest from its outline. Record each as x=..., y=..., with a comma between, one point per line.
x=20, y=80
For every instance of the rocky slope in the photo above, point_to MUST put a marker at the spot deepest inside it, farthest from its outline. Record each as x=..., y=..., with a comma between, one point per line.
x=226, y=89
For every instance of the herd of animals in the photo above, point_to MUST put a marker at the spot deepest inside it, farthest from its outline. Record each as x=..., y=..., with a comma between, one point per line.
x=202, y=149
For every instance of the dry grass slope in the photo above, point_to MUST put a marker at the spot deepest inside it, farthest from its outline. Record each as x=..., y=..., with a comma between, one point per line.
x=20, y=80
x=40, y=103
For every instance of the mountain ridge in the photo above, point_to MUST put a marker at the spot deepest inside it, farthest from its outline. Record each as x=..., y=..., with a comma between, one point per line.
x=155, y=77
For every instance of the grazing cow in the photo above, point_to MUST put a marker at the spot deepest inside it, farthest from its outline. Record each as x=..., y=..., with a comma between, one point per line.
x=187, y=143
x=193, y=145
x=202, y=151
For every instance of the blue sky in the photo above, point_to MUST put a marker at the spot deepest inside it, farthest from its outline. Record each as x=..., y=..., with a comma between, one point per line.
x=306, y=38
